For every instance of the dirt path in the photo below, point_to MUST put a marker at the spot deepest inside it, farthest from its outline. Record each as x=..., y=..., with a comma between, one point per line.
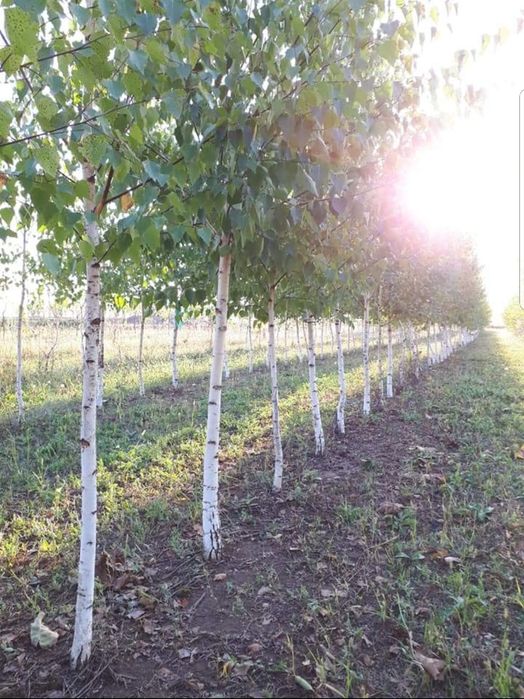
x=401, y=545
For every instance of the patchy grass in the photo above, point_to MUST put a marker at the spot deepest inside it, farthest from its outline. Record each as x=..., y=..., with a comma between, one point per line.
x=404, y=542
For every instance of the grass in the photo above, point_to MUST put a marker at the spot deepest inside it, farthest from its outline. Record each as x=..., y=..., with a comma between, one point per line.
x=355, y=584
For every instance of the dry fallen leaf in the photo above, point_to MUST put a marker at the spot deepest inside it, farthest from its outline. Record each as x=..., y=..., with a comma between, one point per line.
x=519, y=454
x=254, y=648
x=184, y=653
x=3, y=180
x=220, y=577
x=41, y=635
x=390, y=508
x=433, y=666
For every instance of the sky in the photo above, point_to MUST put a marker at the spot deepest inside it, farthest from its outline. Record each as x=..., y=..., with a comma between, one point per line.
x=468, y=179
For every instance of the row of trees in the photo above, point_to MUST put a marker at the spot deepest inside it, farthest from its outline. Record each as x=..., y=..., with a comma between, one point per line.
x=170, y=151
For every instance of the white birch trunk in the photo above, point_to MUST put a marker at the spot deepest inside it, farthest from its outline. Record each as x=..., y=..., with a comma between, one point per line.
x=313, y=389
x=332, y=337
x=100, y=373
x=20, y=320
x=212, y=544
x=81, y=648
x=349, y=338
x=277, y=437
x=341, y=380
x=389, y=369
x=226, y=366
x=250, y=343
x=366, y=407
x=285, y=341
x=322, y=339
x=141, y=389
x=174, y=363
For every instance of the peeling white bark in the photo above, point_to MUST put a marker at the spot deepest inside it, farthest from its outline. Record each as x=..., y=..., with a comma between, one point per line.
x=212, y=544
x=313, y=389
x=81, y=648
x=277, y=437
x=100, y=373
x=341, y=405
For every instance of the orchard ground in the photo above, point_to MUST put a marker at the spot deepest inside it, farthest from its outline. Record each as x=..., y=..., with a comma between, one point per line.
x=402, y=544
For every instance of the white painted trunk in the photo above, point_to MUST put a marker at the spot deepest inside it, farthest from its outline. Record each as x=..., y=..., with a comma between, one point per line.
x=250, y=343
x=210, y=514
x=141, y=389
x=389, y=369
x=366, y=407
x=100, y=373
x=313, y=389
x=341, y=405
x=174, y=363
x=81, y=648
x=277, y=437
x=20, y=320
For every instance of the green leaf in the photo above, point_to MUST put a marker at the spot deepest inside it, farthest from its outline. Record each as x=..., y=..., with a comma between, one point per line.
x=22, y=31
x=138, y=60
x=389, y=51
x=154, y=171
x=174, y=10
x=6, y=116
x=93, y=148
x=10, y=61
x=47, y=156
x=51, y=262
x=151, y=237
x=86, y=249
x=205, y=234
x=47, y=108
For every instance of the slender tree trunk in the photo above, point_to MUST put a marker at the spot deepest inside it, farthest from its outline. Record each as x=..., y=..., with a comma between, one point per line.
x=212, y=544
x=226, y=366
x=332, y=338
x=19, y=393
x=250, y=343
x=379, y=362
x=100, y=373
x=429, y=358
x=285, y=340
x=277, y=437
x=299, y=344
x=365, y=356
x=174, y=364
x=81, y=648
x=313, y=389
x=322, y=339
x=415, y=353
x=389, y=370
x=141, y=389
x=349, y=338
x=341, y=405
